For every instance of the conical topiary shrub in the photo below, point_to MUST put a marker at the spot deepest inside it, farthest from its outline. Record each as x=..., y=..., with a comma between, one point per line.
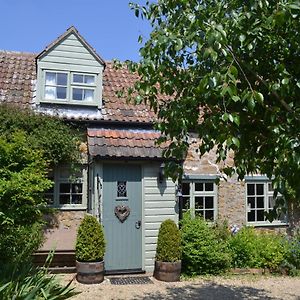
x=168, y=252
x=90, y=242
x=90, y=249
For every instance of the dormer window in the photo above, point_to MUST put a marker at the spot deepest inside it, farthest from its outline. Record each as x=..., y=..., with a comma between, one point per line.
x=69, y=72
x=69, y=87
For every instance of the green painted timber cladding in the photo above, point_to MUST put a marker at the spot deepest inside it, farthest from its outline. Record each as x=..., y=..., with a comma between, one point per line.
x=159, y=205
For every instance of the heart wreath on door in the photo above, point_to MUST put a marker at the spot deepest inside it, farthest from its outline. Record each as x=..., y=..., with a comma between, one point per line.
x=122, y=212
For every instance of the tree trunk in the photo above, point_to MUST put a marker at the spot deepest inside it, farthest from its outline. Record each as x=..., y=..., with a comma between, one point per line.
x=293, y=216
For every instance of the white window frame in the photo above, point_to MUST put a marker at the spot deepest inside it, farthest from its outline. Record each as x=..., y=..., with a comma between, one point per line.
x=70, y=85
x=266, y=194
x=58, y=179
x=193, y=194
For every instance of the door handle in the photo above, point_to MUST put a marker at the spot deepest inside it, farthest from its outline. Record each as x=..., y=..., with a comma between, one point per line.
x=138, y=224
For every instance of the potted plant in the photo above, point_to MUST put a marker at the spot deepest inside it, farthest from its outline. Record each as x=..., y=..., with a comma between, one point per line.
x=168, y=252
x=90, y=249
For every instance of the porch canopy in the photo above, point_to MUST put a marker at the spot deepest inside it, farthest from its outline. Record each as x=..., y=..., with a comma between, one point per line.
x=125, y=143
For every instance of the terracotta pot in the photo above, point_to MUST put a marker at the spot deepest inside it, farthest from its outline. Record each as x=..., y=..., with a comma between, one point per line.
x=90, y=272
x=167, y=271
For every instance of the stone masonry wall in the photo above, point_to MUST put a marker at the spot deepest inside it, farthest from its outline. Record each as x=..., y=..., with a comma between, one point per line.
x=60, y=233
x=231, y=193
x=231, y=202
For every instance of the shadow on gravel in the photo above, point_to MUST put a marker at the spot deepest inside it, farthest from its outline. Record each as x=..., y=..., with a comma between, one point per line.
x=209, y=291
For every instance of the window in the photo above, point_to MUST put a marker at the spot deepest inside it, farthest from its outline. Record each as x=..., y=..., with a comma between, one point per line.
x=260, y=200
x=70, y=87
x=56, y=86
x=68, y=190
x=121, y=189
x=200, y=197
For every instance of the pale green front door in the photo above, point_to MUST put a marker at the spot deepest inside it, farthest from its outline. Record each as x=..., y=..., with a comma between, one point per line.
x=122, y=216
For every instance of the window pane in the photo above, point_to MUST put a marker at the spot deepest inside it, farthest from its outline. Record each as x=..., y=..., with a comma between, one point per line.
x=259, y=189
x=209, y=186
x=251, y=216
x=209, y=202
x=250, y=189
x=270, y=187
x=61, y=92
x=185, y=189
x=76, y=199
x=199, y=203
x=199, y=213
x=77, y=188
x=260, y=202
x=209, y=215
x=62, y=79
x=121, y=189
x=77, y=94
x=260, y=215
x=64, y=199
x=77, y=78
x=251, y=201
x=185, y=203
x=50, y=78
x=198, y=186
x=50, y=92
x=88, y=79
x=88, y=95
x=271, y=202
x=64, y=187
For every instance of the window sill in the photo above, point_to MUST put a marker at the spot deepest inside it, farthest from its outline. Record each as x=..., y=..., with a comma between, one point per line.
x=68, y=207
x=265, y=224
x=75, y=103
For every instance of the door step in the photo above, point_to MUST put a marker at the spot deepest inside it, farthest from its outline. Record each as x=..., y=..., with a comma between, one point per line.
x=63, y=259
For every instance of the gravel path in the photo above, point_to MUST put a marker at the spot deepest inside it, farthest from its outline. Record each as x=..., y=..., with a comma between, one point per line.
x=227, y=288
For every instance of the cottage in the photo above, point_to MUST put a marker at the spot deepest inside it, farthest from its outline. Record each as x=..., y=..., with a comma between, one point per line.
x=121, y=178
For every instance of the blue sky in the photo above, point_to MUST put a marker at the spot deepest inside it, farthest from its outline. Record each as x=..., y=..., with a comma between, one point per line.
x=110, y=26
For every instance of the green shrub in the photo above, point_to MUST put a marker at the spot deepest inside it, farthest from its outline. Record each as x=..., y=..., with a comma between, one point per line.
x=203, y=251
x=31, y=283
x=17, y=243
x=90, y=242
x=292, y=259
x=168, y=242
x=253, y=249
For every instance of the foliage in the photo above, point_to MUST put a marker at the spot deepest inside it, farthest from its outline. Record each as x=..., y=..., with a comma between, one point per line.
x=27, y=282
x=90, y=242
x=169, y=242
x=235, y=66
x=221, y=228
x=57, y=140
x=22, y=181
x=203, y=251
x=292, y=262
x=18, y=242
x=253, y=249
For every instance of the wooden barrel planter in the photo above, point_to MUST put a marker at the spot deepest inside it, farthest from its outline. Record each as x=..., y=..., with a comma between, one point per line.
x=90, y=272
x=167, y=271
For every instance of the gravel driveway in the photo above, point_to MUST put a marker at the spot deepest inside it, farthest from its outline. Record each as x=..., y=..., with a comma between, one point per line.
x=239, y=287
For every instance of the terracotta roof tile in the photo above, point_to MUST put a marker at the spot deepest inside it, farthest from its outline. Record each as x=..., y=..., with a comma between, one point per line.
x=124, y=143
x=18, y=85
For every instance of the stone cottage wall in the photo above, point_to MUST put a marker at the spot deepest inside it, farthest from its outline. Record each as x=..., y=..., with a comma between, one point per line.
x=231, y=192
x=61, y=230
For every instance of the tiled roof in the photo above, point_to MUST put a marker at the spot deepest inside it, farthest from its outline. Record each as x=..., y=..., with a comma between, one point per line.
x=124, y=143
x=17, y=77
x=18, y=85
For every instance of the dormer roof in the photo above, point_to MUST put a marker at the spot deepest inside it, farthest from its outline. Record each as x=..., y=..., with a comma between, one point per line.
x=69, y=31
